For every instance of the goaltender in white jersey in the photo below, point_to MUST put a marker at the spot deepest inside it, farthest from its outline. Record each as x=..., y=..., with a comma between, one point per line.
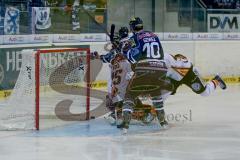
x=121, y=73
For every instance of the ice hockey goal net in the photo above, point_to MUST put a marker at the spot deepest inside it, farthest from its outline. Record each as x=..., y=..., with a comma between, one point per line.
x=53, y=82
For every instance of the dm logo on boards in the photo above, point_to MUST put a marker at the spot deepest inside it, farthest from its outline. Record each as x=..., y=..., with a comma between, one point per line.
x=223, y=22
x=216, y=22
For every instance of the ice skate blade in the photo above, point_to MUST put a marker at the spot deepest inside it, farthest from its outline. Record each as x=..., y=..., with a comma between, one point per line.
x=124, y=131
x=164, y=127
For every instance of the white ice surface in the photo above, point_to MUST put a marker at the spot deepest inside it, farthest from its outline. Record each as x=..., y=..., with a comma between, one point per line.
x=209, y=131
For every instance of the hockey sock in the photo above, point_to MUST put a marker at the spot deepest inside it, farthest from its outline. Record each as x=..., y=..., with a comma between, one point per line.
x=127, y=113
x=209, y=89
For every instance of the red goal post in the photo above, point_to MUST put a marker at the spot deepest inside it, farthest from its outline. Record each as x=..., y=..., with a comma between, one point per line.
x=38, y=60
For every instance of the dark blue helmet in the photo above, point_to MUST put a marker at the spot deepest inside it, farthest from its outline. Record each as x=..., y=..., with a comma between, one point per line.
x=136, y=24
x=123, y=32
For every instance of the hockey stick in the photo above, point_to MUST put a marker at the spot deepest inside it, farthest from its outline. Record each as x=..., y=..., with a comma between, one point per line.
x=111, y=36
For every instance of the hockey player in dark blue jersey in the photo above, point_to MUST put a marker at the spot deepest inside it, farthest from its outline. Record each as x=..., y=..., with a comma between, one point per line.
x=144, y=44
x=144, y=50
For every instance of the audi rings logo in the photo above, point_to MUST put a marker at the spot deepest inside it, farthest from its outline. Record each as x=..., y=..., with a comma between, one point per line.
x=1, y=74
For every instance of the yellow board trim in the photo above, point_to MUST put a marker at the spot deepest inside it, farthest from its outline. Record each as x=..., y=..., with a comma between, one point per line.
x=229, y=80
x=103, y=84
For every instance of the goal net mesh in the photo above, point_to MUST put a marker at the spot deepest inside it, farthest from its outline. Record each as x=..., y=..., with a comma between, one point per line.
x=56, y=81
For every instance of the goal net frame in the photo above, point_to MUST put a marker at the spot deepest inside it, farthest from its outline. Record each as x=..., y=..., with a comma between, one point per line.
x=37, y=79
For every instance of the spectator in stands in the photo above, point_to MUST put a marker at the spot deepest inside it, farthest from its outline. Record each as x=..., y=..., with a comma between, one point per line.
x=223, y=4
x=215, y=4
x=36, y=3
x=237, y=6
x=229, y=4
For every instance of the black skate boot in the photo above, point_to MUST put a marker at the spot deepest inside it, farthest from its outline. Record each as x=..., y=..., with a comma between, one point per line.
x=220, y=81
x=124, y=126
x=161, y=118
x=164, y=123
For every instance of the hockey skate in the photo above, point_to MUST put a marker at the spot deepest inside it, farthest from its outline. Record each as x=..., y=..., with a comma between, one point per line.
x=124, y=126
x=164, y=124
x=220, y=81
x=111, y=118
x=161, y=119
